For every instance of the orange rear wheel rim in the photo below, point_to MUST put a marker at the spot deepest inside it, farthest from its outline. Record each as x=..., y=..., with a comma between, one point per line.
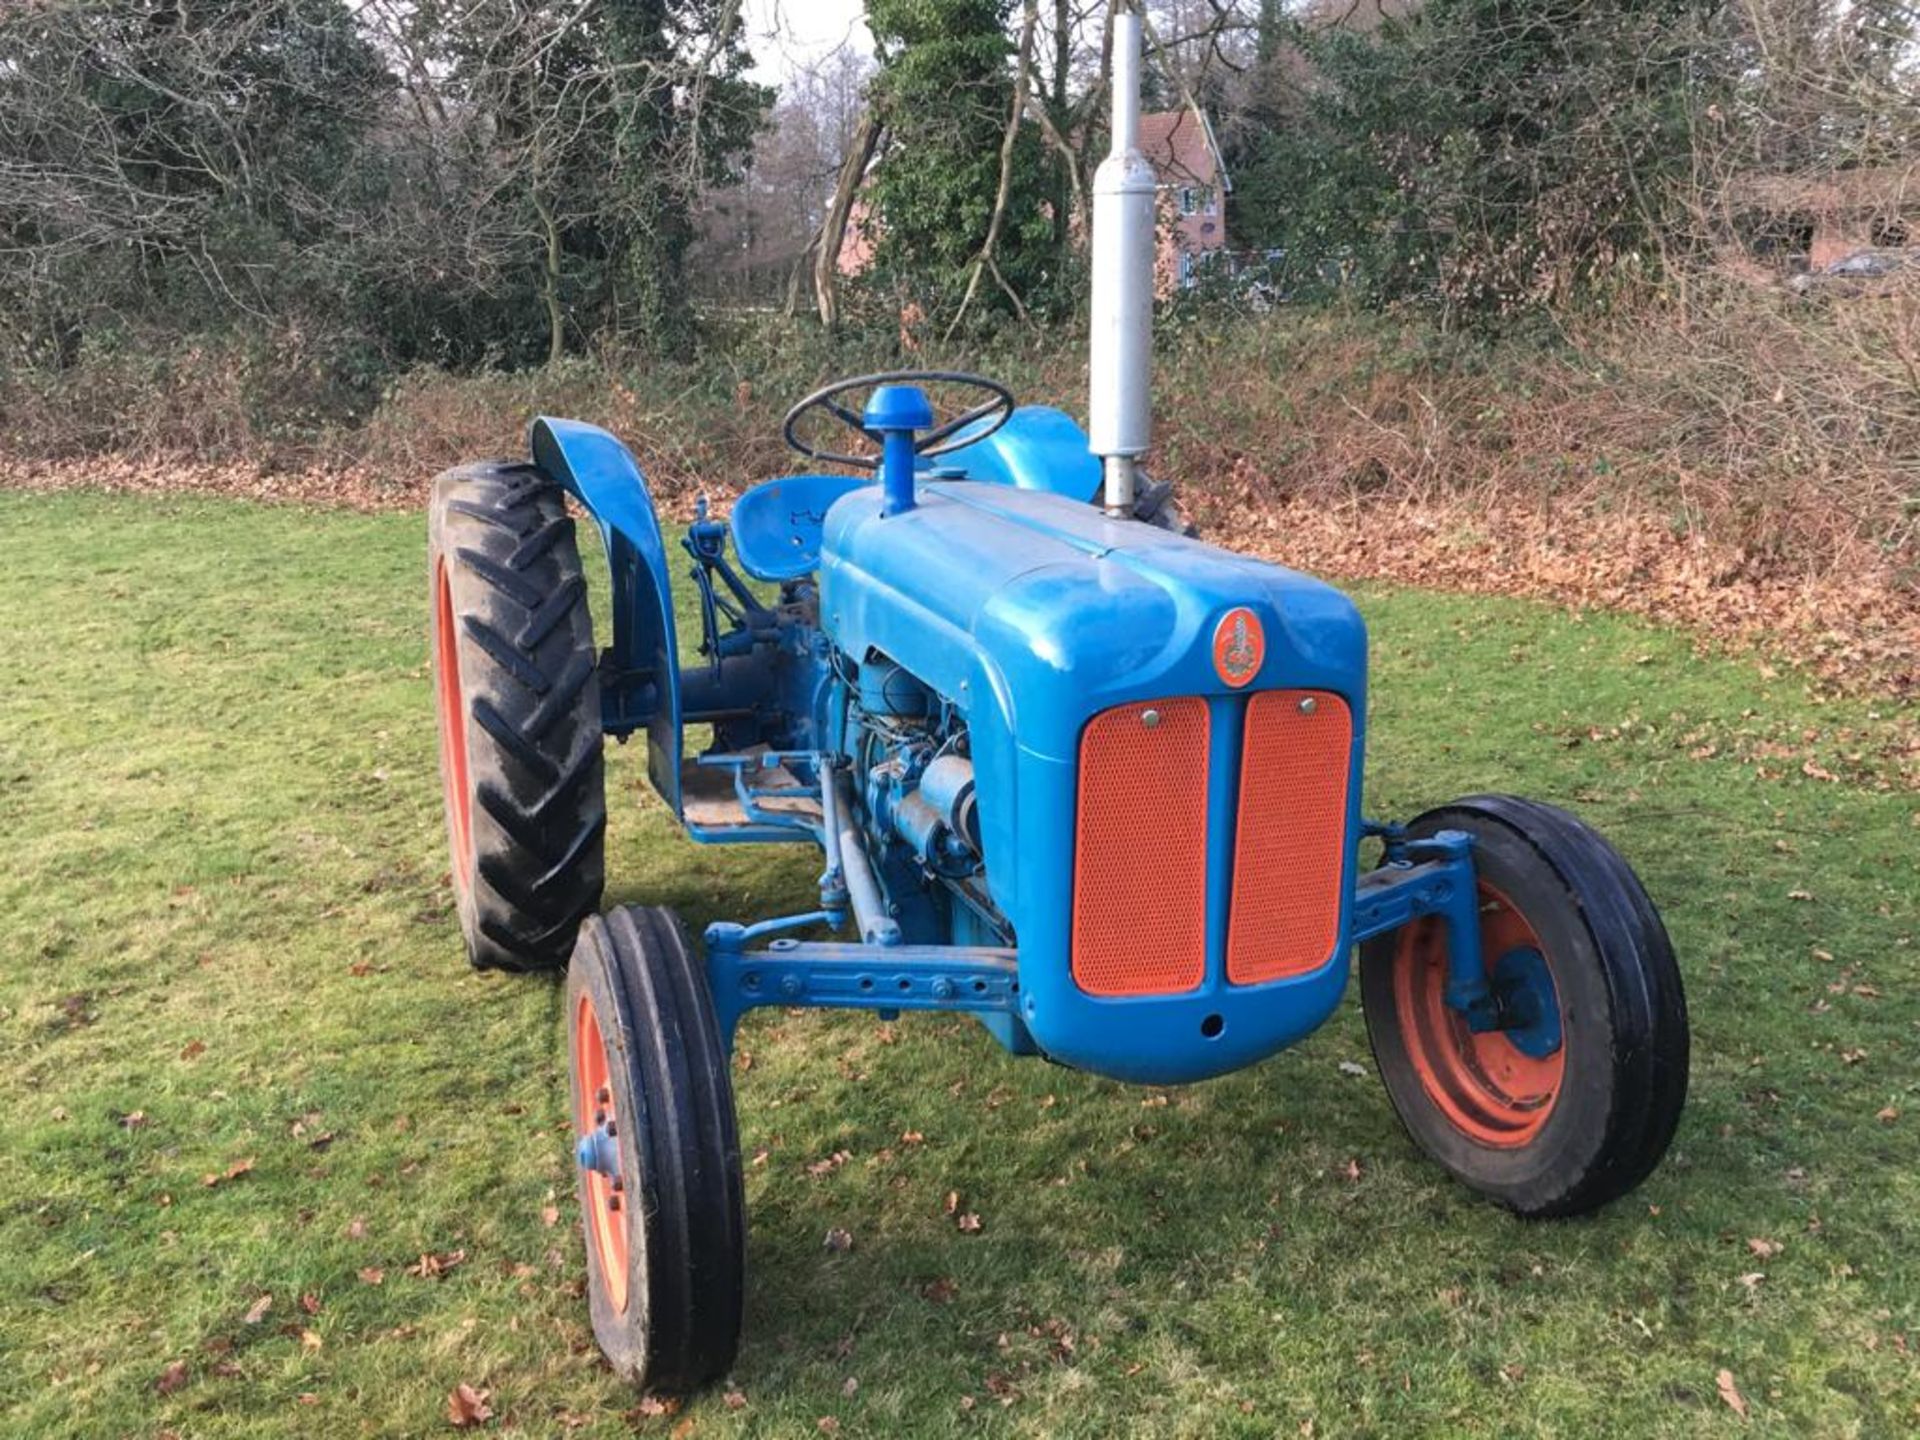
x=458, y=793
x=606, y=1214
x=1486, y=1087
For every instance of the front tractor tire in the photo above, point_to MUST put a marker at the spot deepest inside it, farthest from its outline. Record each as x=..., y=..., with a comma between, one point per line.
x=1576, y=1102
x=521, y=769
x=662, y=1204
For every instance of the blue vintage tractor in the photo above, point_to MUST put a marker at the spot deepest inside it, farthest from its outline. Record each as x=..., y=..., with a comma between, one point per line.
x=1072, y=772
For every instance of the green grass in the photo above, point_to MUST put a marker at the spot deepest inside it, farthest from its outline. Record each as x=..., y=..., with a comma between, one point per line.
x=221, y=820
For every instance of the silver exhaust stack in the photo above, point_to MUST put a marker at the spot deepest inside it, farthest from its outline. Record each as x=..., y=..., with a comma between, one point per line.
x=1120, y=409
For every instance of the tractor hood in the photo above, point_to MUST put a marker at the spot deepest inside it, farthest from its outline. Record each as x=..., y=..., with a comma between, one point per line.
x=1048, y=611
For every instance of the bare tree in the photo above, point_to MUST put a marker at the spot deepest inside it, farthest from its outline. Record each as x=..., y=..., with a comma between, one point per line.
x=758, y=237
x=833, y=229
x=983, y=262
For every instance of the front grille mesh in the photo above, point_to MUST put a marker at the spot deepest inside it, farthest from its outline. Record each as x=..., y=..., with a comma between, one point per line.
x=1140, y=850
x=1290, y=849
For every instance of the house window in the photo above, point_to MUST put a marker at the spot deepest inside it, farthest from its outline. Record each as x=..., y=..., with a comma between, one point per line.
x=1213, y=201
x=1187, y=200
x=1186, y=270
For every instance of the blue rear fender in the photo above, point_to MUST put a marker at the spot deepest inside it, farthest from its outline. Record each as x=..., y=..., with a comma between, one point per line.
x=640, y=670
x=1039, y=448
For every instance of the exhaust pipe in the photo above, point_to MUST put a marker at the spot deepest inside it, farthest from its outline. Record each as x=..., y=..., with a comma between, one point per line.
x=1120, y=415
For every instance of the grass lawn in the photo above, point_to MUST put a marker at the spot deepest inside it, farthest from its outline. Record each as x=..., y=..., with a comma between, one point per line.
x=242, y=1056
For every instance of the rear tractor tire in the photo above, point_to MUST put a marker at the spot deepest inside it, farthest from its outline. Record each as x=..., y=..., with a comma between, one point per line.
x=521, y=768
x=662, y=1204
x=1573, y=1105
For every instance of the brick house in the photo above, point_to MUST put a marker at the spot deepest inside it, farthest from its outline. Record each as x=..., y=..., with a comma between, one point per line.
x=857, y=245
x=1194, y=187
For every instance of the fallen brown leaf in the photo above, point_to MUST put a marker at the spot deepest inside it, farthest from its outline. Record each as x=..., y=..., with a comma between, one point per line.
x=193, y=1050
x=373, y=1275
x=257, y=1311
x=232, y=1172
x=550, y=1216
x=838, y=1240
x=171, y=1378
x=969, y=1223
x=1729, y=1392
x=468, y=1407
x=1764, y=1248
x=432, y=1267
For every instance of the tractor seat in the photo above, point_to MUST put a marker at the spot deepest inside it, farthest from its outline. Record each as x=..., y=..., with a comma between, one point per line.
x=777, y=524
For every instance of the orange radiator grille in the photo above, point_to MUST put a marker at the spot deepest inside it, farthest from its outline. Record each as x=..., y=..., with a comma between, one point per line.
x=1292, y=840
x=1140, y=850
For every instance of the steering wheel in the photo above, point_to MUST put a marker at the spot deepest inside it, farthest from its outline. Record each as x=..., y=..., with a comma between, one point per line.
x=937, y=441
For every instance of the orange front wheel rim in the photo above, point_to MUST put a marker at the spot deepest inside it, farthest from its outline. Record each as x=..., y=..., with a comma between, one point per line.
x=453, y=728
x=1487, y=1087
x=602, y=1189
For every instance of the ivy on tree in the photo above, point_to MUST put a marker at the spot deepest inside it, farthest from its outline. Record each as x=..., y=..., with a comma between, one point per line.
x=945, y=93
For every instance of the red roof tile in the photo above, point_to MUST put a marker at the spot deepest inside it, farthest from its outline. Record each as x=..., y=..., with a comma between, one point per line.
x=1178, y=147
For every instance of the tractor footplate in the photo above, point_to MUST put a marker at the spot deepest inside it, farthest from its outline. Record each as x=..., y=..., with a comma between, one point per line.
x=710, y=800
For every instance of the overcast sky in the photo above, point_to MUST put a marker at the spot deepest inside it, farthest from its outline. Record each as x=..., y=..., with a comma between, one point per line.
x=789, y=34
